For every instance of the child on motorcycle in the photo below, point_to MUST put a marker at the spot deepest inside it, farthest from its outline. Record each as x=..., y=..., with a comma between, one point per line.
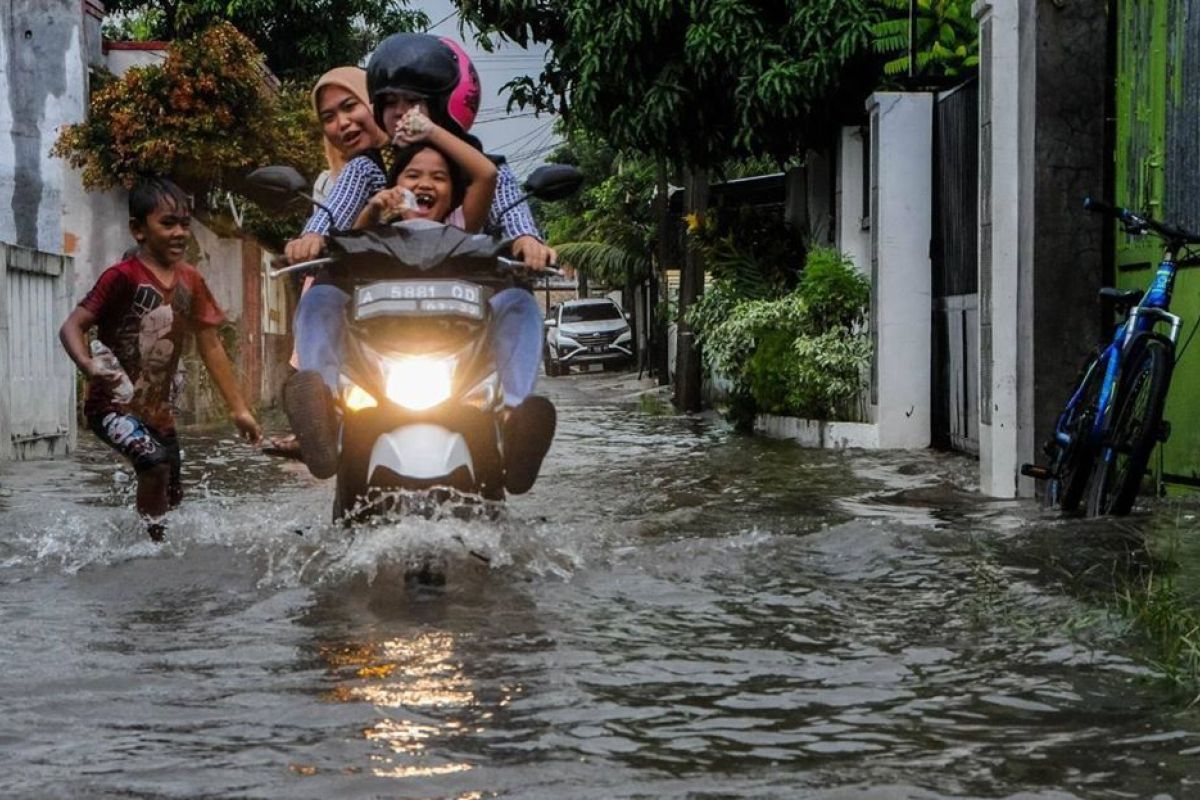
x=144, y=307
x=419, y=72
x=439, y=177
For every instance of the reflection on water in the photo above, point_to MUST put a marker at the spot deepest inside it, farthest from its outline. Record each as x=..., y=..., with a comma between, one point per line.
x=404, y=677
x=674, y=612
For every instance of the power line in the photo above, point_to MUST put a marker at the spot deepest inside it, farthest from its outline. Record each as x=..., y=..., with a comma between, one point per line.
x=503, y=118
x=525, y=137
x=440, y=21
x=534, y=147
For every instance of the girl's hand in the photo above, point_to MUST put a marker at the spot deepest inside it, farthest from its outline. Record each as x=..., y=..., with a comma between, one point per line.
x=387, y=204
x=413, y=127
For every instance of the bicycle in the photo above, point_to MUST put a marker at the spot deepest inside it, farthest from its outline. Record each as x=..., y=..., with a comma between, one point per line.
x=1104, y=436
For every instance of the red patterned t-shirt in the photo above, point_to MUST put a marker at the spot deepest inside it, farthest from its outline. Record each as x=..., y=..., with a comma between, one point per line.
x=144, y=323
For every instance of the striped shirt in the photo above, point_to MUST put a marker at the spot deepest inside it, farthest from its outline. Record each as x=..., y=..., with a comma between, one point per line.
x=362, y=177
x=356, y=183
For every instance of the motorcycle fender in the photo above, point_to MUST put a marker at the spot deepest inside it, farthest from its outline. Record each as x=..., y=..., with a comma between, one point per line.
x=422, y=451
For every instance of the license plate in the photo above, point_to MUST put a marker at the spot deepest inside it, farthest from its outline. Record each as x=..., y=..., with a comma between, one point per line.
x=597, y=348
x=419, y=297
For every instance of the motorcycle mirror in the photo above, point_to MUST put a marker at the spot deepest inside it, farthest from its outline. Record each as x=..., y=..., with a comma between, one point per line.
x=278, y=188
x=280, y=180
x=553, y=182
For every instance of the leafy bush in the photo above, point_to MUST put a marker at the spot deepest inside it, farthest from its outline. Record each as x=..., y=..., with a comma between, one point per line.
x=204, y=117
x=803, y=353
x=200, y=111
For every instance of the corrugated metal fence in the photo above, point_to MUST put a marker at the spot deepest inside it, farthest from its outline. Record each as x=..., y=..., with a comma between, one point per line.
x=37, y=395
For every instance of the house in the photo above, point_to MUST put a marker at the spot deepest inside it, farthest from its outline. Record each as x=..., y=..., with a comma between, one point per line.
x=57, y=237
x=964, y=207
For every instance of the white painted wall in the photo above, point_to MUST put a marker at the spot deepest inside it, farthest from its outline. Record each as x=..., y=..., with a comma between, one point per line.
x=901, y=298
x=1007, y=94
x=853, y=237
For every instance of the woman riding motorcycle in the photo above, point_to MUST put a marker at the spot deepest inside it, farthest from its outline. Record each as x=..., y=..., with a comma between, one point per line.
x=408, y=70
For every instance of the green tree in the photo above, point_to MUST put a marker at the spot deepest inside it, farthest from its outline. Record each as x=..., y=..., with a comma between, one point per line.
x=300, y=38
x=606, y=230
x=696, y=83
x=947, y=38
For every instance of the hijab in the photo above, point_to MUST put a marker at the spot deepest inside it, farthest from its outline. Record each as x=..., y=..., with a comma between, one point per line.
x=353, y=80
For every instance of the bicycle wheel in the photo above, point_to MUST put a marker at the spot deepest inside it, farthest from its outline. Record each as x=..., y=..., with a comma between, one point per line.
x=1071, y=464
x=1134, y=429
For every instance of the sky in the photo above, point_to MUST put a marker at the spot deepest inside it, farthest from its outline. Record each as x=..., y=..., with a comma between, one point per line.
x=525, y=140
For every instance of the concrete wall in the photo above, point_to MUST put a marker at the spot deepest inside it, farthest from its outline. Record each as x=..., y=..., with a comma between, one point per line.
x=43, y=84
x=902, y=129
x=1005, y=244
x=1068, y=162
x=853, y=236
x=1042, y=148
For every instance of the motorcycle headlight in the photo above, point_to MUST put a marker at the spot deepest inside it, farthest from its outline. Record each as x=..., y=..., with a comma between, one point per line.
x=419, y=382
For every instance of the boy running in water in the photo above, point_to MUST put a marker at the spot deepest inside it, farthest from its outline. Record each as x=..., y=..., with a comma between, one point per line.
x=143, y=307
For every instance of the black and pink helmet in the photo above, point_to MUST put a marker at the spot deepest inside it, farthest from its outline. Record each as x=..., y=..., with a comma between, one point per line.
x=436, y=68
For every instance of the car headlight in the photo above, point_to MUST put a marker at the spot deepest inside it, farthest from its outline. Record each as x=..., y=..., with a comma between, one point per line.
x=419, y=382
x=355, y=398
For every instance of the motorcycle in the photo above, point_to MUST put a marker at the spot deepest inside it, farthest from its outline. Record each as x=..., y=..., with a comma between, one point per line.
x=420, y=396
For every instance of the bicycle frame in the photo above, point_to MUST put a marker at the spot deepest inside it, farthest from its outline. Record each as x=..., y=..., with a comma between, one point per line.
x=1143, y=317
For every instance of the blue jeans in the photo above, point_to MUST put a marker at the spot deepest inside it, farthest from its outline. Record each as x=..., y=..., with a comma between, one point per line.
x=515, y=331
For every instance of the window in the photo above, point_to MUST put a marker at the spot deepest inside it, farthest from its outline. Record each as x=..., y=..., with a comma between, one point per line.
x=592, y=312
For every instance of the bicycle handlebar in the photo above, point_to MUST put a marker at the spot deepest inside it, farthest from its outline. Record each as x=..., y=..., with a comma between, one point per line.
x=1137, y=224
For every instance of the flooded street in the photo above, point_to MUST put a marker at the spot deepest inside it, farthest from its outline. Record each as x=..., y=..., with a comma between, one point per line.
x=675, y=611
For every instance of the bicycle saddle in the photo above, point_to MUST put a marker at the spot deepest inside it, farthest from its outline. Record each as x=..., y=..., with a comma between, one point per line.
x=1122, y=297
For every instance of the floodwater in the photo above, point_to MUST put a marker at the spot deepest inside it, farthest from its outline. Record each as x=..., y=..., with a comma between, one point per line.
x=675, y=611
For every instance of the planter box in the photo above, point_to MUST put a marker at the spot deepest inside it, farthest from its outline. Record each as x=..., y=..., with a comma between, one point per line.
x=816, y=433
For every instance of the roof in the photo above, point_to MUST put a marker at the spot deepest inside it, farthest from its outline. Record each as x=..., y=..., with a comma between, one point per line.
x=589, y=301
x=756, y=190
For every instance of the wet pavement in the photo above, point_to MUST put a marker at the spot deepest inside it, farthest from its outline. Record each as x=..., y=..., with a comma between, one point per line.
x=675, y=611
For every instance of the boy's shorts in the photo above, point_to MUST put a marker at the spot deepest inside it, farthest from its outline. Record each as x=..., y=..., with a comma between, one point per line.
x=142, y=445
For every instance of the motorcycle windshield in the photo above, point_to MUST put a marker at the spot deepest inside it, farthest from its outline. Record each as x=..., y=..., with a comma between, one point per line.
x=413, y=248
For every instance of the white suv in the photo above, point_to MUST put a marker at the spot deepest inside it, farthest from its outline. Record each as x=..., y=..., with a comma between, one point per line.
x=587, y=332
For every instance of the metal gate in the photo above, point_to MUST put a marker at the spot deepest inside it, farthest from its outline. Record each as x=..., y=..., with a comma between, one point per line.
x=954, y=259
x=37, y=395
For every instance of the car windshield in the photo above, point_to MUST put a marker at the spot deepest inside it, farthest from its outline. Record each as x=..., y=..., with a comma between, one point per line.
x=593, y=312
